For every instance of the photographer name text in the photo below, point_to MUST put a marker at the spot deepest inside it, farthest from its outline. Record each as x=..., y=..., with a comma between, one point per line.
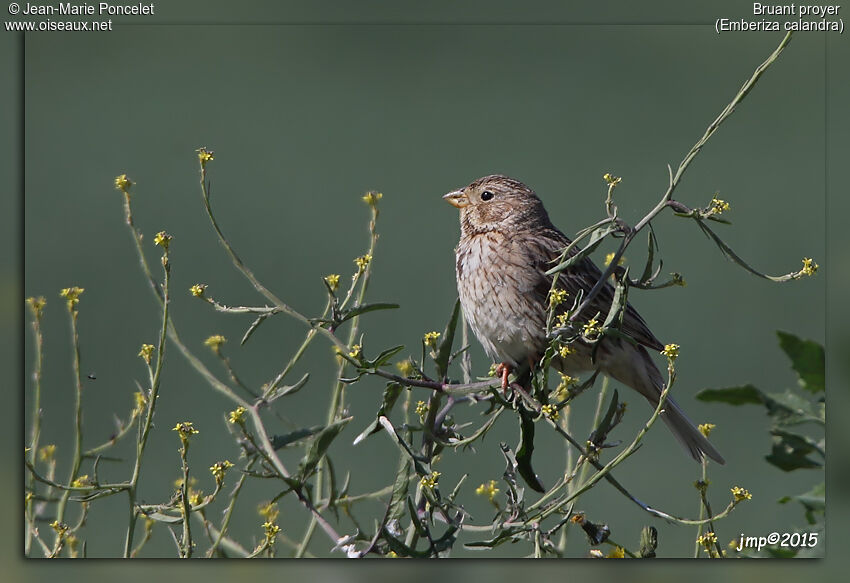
x=100, y=9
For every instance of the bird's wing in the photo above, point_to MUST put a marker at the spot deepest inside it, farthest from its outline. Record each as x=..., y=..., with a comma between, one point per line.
x=548, y=245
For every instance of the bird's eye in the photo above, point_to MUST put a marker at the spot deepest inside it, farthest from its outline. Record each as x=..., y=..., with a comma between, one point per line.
x=487, y=195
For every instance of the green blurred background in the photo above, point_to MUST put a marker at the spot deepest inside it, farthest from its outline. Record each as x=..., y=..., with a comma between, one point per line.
x=304, y=118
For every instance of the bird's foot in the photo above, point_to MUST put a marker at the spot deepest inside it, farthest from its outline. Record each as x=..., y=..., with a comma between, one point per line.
x=503, y=370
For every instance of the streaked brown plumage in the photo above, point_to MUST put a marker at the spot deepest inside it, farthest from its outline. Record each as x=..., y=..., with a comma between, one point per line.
x=507, y=243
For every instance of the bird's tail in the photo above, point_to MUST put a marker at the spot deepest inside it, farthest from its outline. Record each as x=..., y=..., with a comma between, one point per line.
x=687, y=433
x=643, y=376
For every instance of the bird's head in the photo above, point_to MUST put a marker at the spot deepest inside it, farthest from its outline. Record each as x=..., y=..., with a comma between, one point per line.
x=496, y=202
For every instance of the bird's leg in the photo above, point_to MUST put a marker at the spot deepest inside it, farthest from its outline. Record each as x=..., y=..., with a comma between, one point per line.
x=503, y=370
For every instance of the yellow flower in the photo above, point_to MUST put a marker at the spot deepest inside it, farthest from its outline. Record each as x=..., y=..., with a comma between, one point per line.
x=205, y=156
x=333, y=281
x=218, y=470
x=185, y=429
x=678, y=279
x=717, y=206
x=198, y=290
x=809, y=267
x=565, y=350
x=363, y=261
x=37, y=306
x=140, y=401
x=430, y=481
x=671, y=351
x=355, y=351
x=705, y=428
x=611, y=179
x=562, y=320
x=215, y=341
x=60, y=527
x=123, y=183
x=81, y=482
x=372, y=198
x=178, y=483
x=72, y=294
x=592, y=328
x=196, y=497
x=430, y=339
x=557, y=296
x=237, y=416
x=269, y=511
x=47, y=452
x=550, y=411
x=740, y=494
x=162, y=239
x=271, y=530
x=610, y=257
x=708, y=539
x=616, y=553
x=563, y=388
x=406, y=368
x=489, y=489
x=566, y=380
x=421, y=408
x=146, y=352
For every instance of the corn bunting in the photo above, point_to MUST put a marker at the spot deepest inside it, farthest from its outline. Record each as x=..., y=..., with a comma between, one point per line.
x=507, y=243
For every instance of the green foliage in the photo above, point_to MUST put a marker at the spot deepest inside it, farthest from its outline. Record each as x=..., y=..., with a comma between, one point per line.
x=790, y=413
x=417, y=519
x=791, y=449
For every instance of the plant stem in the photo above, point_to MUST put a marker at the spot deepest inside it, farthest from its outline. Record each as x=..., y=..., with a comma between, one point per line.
x=78, y=417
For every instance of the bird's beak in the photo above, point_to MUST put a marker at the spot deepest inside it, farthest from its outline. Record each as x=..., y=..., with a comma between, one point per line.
x=456, y=198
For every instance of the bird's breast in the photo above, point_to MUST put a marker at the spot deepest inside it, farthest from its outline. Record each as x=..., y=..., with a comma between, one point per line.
x=496, y=286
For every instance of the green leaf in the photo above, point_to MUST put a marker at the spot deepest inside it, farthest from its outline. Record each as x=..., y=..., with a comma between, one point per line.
x=506, y=535
x=799, y=441
x=807, y=359
x=401, y=549
x=166, y=518
x=648, y=542
x=288, y=389
x=287, y=439
x=789, y=408
x=524, y=451
x=421, y=466
x=650, y=257
x=320, y=446
x=399, y=496
x=444, y=350
x=781, y=552
x=743, y=395
x=480, y=432
x=617, y=304
x=358, y=310
x=789, y=455
x=732, y=256
x=385, y=356
x=253, y=327
x=515, y=493
x=391, y=394
x=813, y=501
x=599, y=434
x=596, y=238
